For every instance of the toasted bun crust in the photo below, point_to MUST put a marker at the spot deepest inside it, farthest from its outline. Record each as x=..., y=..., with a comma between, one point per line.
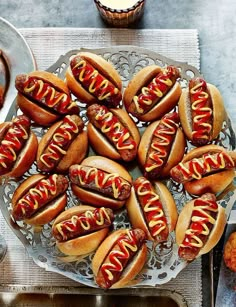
x=26, y=157
x=98, y=140
x=52, y=79
x=144, y=76
x=86, y=196
x=49, y=212
x=176, y=153
x=67, y=214
x=104, y=67
x=133, y=268
x=35, y=112
x=213, y=183
x=74, y=154
x=77, y=89
x=198, y=152
x=107, y=165
x=80, y=245
x=83, y=245
x=215, y=234
x=218, y=112
x=136, y=215
x=97, y=199
x=166, y=104
x=45, y=214
x=25, y=186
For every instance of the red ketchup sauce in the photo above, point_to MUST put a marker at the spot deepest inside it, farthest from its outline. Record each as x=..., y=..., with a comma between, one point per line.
x=195, y=237
x=36, y=197
x=83, y=223
x=116, y=257
x=47, y=95
x=163, y=137
x=93, y=81
x=102, y=178
x=203, y=113
x=161, y=84
x=60, y=141
x=154, y=206
x=114, y=130
x=14, y=141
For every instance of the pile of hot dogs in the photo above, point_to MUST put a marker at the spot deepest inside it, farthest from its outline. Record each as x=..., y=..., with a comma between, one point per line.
x=102, y=182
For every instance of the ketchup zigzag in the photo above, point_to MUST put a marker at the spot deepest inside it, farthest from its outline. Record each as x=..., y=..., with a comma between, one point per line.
x=202, y=111
x=47, y=95
x=14, y=141
x=157, y=88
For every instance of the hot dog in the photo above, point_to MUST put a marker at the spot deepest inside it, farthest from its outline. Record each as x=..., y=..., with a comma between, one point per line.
x=64, y=144
x=209, y=168
x=40, y=198
x=112, y=133
x=94, y=80
x=161, y=147
x=152, y=208
x=44, y=97
x=229, y=254
x=80, y=229
x=201, y=110
x=18, y=146
x=100, y=181
x=200, y=226
x=119, y=258
x=152, y=92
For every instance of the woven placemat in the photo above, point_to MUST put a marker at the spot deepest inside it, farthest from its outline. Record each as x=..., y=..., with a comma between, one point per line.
x=47, y=45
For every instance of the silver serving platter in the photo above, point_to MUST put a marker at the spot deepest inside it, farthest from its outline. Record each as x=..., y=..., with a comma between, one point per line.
x=163, y=262
x=19, y=59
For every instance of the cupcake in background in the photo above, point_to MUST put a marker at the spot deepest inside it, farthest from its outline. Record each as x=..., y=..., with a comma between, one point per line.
x=120, y=13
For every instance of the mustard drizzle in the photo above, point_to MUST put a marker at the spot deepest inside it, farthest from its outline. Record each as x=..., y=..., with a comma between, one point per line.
x=151, y=207
x=205, y=217
x=95, y=171
x=84, y=224
x=120, y=134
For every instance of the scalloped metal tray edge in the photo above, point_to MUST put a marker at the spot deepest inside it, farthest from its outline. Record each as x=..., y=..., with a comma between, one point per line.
x=134, y=58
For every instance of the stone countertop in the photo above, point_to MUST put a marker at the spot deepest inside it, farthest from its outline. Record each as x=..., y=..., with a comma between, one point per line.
x=214, y=20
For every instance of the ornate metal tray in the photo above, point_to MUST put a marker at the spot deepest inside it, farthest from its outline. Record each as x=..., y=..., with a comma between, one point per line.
x=160, y=267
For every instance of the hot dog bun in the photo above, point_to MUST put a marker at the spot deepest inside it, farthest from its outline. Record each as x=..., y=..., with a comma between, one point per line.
x=130, y=271
x=81, y=244
x=138, y=87
x=207, y=178
x=112, y=133
x=64, y=144
x=40, y=198
x=44, y=97
x=164, y=135
x=91, y=65
x=103, y=170
x=17, y=159
x=152, y=208
x=215, y=107
x=185, y=219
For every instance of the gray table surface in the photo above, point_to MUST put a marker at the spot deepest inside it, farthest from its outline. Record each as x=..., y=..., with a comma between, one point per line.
x=214, y=19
